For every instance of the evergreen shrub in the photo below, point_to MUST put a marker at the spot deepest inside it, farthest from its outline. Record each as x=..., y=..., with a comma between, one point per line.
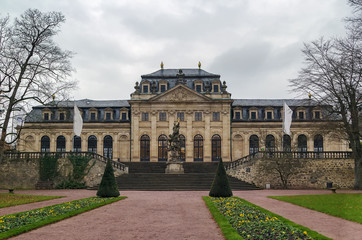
x=108, y=186
x=220, y=186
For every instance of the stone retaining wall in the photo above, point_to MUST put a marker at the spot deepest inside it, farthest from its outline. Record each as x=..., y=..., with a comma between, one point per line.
x=24, y=173
x=314, y=174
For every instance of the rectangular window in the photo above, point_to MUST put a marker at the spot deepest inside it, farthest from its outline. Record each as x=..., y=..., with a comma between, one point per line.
x=181, y=116
x=253, y=115
x=61, y=116
x=301, y=115
x=237, y=115
x=198, y=116
x=216, y=88
x=108, y=116
x=124, y=116
x=216, y=116
x=317, y=115
x=46, y=116
x=198, y=88
x=162, y=116
x=269, y=115
x=163, y=88
x=144, y=116
x=93, y=116
x=145, y=88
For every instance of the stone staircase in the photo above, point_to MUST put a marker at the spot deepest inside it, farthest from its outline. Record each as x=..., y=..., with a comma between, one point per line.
x=151, y=177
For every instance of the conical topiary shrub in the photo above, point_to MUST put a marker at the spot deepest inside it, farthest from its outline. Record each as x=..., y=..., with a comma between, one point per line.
x=108, y=186
x=220, y=186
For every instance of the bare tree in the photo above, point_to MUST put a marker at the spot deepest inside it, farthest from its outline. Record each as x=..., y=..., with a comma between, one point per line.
x=333, y=74
x=32, y=66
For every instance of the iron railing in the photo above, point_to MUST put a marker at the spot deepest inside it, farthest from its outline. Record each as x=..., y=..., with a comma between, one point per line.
x=290, y=155
x=37, y=155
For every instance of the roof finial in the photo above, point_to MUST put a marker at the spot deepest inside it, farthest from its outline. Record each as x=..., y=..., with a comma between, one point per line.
x=53, y=96
x=199, y=64
x=161, y=64
x=310, y=95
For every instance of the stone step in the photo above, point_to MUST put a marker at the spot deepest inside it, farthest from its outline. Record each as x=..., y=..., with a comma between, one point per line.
x=175, y=182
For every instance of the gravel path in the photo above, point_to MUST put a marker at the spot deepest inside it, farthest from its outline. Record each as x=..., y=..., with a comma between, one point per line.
x=173, y=215
x=143, y=215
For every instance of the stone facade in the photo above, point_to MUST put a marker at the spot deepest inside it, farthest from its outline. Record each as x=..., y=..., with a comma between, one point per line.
x=24, y=173
x=212, y=123
x=315, y=174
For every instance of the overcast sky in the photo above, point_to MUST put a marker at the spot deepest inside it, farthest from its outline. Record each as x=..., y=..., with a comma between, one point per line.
x=253, y=44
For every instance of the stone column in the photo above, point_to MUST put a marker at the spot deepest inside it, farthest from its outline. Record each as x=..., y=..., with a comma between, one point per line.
x=135, y=136
x=116, y=146
x=84, y=143
x=68, y=142
x=207, y=137
x=99, y=143
x=154, y=137
x=225, y=138
x=189, y=138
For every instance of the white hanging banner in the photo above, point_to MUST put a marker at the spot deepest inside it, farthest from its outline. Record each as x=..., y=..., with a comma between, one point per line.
x=287, y=118
x=77, y=121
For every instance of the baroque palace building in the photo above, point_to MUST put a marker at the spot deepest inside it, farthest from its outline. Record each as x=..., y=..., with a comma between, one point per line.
x=212, y=124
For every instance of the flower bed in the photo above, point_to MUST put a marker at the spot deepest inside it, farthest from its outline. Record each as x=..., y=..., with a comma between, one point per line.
x=15, y=224
x=251, y=222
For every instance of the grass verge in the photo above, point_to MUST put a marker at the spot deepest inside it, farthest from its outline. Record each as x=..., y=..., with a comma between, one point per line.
x=9, y=199
x=251, y=221
x=226, y=228
x=15, y=224
x=346, y=206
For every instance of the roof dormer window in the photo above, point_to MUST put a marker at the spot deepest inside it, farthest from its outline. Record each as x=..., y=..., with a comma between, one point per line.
x=145, y=88
x=198, y=88
x=163, y=88
x=301, y=114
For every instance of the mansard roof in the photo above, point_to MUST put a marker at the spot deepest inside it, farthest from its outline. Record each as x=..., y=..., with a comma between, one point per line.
x=274, y=102
x=189, y=75
x=171, y=73
x=87, y=103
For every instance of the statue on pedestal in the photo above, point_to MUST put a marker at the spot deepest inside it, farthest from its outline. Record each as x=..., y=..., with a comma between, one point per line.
x=174, y=164
x=174, y=143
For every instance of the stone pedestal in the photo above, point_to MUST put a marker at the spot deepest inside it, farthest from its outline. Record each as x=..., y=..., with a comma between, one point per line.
x=174, y=168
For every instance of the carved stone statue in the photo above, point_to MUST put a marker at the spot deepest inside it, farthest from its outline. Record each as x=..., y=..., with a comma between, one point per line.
x=174, y=164
x=174, y=143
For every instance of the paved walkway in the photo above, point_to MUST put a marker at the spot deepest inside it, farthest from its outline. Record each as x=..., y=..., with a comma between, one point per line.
x=172, y=215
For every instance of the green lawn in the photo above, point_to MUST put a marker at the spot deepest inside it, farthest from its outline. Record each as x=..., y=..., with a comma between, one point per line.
x=8, y=200
x=15, y=224
x=240, y=219
x=347, y=206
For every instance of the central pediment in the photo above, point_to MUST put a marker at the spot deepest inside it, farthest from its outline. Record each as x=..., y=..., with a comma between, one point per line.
x=180, y=93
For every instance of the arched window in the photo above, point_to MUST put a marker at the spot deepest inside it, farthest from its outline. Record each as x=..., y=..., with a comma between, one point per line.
x=92, y=144
x=216, y=147
x=302, y=145
x=198, y=148
x=61, y=144
x=162, y=148
x=318, y=145
x=45, y=144
x=183, y=148
x=77, y=144
x=145, y=148
x=270, y=143
x=287, y=143
x=253, y=144
x=108, y=147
